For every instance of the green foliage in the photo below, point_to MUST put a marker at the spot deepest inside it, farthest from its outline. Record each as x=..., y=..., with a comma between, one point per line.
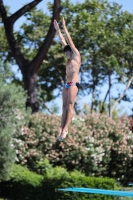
x=33, y=32
x=61, y=179
x=96, y=145
x=6, y=75
x=4, y=47
x=44, y=166
x=24, y=184
x=7, y=153
x=12, y=118
x=21, y=174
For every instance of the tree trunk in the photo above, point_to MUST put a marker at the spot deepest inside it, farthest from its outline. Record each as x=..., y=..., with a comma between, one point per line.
x=30, y=85
x=103, y=103
x=93, y=100
x=109, y=106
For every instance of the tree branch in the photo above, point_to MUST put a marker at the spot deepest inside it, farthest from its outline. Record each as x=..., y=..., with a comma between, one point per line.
x=37, y=61
x=3, y=12
x=122, y=95
x=47, y=108
x=102, y=109
x=8, y=25
x=23, y=10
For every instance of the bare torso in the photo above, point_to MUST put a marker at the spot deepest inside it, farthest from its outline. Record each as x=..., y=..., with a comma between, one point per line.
x=72, y=69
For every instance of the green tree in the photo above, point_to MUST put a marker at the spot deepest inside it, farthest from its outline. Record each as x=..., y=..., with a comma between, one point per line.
x=29, y=68
x=12, y=104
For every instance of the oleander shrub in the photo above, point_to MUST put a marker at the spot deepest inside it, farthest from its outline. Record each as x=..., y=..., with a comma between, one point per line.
x=27, y=185
x=130, y=119
x=96, y=145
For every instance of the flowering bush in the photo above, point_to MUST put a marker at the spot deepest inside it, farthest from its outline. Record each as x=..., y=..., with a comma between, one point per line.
x=130, y=123
x=95, y=145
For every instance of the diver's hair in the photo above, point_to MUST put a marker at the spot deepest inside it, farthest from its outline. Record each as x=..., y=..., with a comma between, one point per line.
x=67, y=48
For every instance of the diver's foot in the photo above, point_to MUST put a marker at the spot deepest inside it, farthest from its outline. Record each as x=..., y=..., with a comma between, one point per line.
x=59, y=131
x=62, y=135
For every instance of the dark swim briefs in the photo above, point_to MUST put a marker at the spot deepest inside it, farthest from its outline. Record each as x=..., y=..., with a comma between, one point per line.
x=72, y=84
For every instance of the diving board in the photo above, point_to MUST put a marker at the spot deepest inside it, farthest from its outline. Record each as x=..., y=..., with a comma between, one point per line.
x=98, y=191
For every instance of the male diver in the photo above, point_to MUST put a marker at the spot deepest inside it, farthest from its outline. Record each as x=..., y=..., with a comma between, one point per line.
x=72, y=77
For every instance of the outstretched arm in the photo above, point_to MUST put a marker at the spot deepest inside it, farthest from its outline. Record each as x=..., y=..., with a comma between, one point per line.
x=62, y=39
x=68, y=38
